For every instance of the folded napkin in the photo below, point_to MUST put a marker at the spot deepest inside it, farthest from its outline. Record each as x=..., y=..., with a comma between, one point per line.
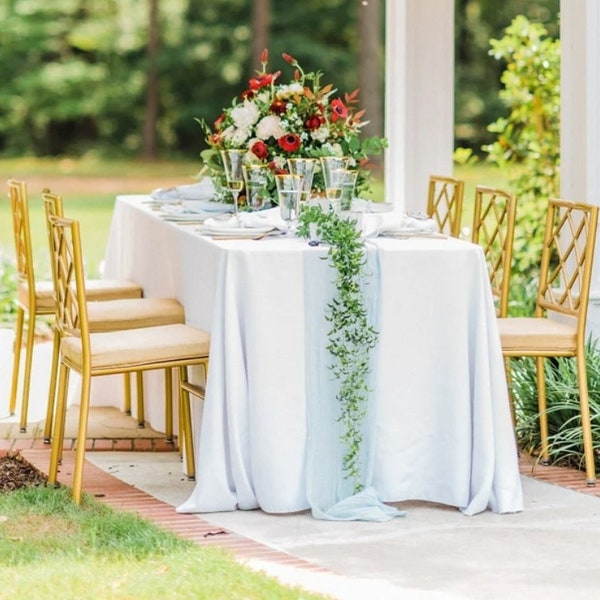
x=263, y=219
x=203, y=190
x=397, y=223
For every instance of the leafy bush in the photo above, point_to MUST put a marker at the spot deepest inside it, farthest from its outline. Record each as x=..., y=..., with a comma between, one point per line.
x=562, y=393
x=8, y=287
x=528, y=138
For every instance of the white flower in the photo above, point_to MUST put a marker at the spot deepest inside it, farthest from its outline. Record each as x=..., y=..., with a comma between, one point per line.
x=245, y=115
x=287, y=91
x=269, y=126
x=321, y=134
x=236, y=136
x=333, y=149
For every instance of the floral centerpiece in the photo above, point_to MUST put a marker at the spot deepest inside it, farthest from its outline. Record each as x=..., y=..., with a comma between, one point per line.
x=302, y=118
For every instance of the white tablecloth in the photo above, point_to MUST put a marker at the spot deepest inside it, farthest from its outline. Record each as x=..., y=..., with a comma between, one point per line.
x=443, y=427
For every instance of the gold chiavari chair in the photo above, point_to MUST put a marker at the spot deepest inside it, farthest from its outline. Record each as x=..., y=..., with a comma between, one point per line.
x=34, y=298
x=494, y=215
x=558, y=327
x=105, y=353
x=444, y=203
x=113, y=315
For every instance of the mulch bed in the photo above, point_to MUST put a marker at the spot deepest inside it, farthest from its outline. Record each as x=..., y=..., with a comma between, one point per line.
x=16, y=472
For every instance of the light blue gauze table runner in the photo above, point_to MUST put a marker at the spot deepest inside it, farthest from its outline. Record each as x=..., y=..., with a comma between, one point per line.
x=330, y=495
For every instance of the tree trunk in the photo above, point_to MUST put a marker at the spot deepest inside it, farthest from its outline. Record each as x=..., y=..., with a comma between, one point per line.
x=152, y=91
x=261, y=16
x=370, y=64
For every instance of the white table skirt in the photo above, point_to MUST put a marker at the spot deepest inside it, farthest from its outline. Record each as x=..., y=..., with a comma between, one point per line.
x=443, y=427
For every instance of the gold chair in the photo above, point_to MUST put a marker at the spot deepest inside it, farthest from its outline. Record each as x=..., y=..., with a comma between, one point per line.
x=494, y=215
x=106, y=353
x=35, y=298
x=444, y=203
x=558, y=327
x=113, y=315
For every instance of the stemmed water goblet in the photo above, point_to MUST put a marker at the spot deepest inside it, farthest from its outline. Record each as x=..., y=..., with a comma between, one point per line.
x=306, y=168
x=232, y=161
x=334, y=174
x=289, y=189
x=256, y=177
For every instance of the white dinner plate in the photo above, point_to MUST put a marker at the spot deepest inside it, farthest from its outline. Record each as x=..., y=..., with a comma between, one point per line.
x=173, y=216
x=240, y=232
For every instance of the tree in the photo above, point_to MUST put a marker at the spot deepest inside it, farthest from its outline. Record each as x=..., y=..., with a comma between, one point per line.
x=261, y=18
x=370, y=65
x=152, y=90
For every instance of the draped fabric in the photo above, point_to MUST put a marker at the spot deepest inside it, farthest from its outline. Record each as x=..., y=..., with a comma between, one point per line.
x=330, y=494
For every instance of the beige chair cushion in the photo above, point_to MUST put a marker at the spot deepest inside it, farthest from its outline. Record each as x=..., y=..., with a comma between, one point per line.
x=135, y=313
x=96, y=289
x=527, y=335
x=139, y=347
x=44, y=299
x=111, y=289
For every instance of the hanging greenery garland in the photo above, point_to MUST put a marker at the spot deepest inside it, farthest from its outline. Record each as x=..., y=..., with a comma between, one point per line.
x=350, y=336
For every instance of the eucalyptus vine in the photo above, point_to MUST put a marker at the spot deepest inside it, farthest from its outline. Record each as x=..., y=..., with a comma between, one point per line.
x=350, y=337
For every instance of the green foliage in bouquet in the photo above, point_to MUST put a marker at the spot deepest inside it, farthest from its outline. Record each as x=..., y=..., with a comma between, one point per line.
x=302, y=118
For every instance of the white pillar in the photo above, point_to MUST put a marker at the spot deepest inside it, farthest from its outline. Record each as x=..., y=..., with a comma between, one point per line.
x=580, y=118
x=419, y=97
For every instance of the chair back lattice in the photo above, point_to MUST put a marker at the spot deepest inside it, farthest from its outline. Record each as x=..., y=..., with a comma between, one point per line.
x=22, y=233
x=65, y=245
x=53, y=207
x=494, y=215
x=444, y=203
x=567, y=256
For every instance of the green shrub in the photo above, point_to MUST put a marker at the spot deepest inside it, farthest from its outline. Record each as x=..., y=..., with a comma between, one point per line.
x=562, y=393
x=528, y=138
x=8, y=288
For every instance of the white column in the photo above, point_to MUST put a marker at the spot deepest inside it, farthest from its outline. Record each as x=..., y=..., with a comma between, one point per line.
x=419, y=97
x=580, y=118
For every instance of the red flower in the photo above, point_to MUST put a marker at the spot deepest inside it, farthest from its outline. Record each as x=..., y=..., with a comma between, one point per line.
x=289, y=59
x=248, y=94
x=290, y=142
x=314, y=122
x=264, y=56
x=217, y=124
x=338, y=110
x=261, y=81
x=278, y=107
x=260, y=150
x=276, y=170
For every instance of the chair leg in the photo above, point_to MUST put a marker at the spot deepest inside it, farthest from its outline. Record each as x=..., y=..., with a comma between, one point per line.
x=84, y=409
x=141, y=416
x=185, y=433
x=542, y=408
x=584, y=407
x=52, y=387
x=169, y=406
x=58, y=432
x=16, y=360
x=511, y=401
x=127, y=393
x=27, y=375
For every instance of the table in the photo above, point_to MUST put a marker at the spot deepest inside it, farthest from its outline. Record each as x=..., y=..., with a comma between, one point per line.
x=443, y=426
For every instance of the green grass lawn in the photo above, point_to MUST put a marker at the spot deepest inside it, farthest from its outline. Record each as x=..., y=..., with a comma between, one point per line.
x=52, y=548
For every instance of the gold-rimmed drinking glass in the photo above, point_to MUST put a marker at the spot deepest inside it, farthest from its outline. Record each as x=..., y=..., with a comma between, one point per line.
x=305, y=167
x=256, y=177
x=289, y=189
x=232, y=162
x=334, y=173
